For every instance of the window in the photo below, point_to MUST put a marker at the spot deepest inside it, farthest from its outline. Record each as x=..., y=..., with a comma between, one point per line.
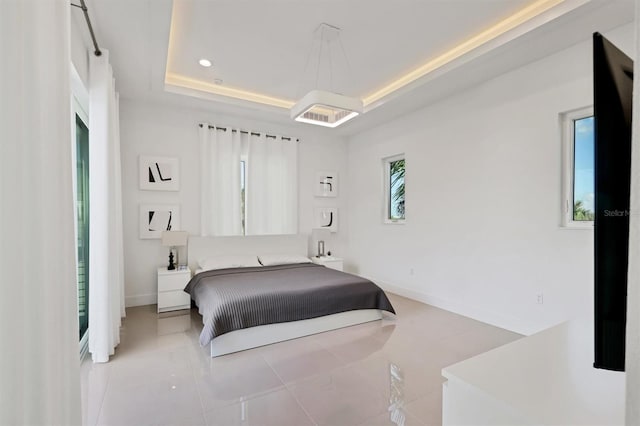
x=248, y=183
x=394, y=189
x=579, y=185
x=80, y=144
x=82, y=212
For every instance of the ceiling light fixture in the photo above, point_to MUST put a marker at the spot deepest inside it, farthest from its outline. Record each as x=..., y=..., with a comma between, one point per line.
x=326, y=108
x=322, y=107
x=205, y=62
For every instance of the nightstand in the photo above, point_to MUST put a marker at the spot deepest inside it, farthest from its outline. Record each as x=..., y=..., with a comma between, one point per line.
x=171, y=284
x=328, y=261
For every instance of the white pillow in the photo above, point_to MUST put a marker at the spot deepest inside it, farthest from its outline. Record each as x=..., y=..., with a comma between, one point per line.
x=282, y=259
x=228, y=261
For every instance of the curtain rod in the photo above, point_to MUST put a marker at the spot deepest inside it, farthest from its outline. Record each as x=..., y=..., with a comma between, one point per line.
x=83, y=6
x=224, y=129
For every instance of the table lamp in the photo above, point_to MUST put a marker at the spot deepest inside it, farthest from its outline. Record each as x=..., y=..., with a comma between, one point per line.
x=174, y=239
x=319, y=236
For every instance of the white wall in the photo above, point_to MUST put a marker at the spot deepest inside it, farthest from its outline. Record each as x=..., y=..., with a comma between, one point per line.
x=80, y=42
x=150, y=129
x=483, y=180
x=632, y=359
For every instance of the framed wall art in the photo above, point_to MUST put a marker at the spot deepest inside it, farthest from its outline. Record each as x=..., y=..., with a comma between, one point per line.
x=326, y=218
x=159, y=173
x=326, y=184
x=155, y=218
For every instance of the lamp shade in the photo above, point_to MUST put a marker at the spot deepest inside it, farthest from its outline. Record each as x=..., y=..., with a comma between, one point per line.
x=174, y=238
x=318, y=235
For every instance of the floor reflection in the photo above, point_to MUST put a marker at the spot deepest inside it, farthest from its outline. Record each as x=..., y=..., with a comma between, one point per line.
x=380, y=373
x=396, y=399
x=174, y=322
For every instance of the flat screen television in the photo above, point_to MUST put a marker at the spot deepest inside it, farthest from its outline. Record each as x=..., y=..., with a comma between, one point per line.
x=613, y=88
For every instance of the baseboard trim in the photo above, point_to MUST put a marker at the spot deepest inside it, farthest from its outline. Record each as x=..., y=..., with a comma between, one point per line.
x=499, y=320
x=141, y=300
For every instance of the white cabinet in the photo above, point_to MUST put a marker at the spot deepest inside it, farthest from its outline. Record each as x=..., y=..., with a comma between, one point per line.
x=543, y=379
x=171, y=284
x=329, y=262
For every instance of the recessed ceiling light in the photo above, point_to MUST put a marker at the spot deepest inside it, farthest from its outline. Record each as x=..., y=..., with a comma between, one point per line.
x=205, y=62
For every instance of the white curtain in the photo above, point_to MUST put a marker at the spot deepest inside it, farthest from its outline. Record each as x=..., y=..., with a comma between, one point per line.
x=272, y=185
x=39, y=360
x=220, y=181
x=106, y=270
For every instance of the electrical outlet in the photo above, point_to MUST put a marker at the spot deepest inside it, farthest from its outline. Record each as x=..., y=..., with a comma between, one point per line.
x=411, y=271
x=540, y=298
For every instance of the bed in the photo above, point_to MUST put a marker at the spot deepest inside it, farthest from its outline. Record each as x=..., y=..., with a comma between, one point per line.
x=243, y=308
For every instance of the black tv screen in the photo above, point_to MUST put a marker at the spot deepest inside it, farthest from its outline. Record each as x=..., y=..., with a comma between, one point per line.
x=613, y=88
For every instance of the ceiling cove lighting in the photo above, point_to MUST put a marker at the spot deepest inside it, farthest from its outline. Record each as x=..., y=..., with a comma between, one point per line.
x=326, y=108
x=205, y=62
x=533, y=10
x=181, y=81
x=519, y=18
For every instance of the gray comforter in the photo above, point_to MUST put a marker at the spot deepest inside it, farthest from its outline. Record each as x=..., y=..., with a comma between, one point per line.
x=236, y=298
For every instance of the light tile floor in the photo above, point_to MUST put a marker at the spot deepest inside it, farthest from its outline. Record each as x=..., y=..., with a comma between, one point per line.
x=380, y=373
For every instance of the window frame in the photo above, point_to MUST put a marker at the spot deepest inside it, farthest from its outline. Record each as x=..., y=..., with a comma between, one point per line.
x=568, y=167
x=386, y=188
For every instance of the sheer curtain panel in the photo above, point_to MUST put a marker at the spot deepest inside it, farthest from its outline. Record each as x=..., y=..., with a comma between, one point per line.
x=272, y=185
x=39, y=360
x=220, y=181
x=106, y=260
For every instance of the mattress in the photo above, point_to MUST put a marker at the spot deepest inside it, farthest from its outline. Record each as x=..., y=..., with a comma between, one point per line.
x=237, y=298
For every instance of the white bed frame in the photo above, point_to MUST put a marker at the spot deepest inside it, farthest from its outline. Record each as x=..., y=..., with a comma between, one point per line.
x=239, y=340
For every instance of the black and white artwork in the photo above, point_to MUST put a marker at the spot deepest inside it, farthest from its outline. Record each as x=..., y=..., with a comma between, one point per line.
x=155, y=218
x=327, y=218
x=326, y=184
x=159, y=173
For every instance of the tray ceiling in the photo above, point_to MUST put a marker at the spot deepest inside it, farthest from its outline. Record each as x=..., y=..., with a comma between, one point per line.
x=259, y=49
